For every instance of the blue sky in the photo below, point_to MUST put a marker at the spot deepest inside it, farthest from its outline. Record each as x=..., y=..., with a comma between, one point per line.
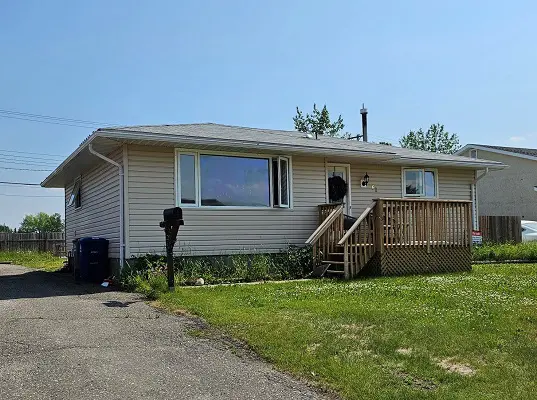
x=467, y=64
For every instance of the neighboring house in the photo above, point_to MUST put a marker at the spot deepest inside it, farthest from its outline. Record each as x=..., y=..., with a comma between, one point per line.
x=511, y=191
x=242, y=190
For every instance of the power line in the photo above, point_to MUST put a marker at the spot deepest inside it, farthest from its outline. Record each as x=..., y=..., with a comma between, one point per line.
x=19, y=183
x=83, y=121
x=28, y=195
x=48, y=119
x=17, y=157
x=27, y=169
x=27, y=152
x=50, y=122
x=39, y=163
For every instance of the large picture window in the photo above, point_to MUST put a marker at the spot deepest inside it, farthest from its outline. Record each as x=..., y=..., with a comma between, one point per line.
x=213, y=180
x=420, y=182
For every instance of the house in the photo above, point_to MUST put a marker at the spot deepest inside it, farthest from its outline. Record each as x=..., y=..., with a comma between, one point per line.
x=246, y=190
x=511, y=191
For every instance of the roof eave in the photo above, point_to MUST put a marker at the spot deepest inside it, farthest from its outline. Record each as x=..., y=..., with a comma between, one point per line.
x=233, y=143
x=450, y=163
x=53, y=174
x=493, y=150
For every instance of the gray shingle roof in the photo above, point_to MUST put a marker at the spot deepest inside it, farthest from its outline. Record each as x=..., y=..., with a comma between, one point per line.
x=222, y=133
x=517, y=150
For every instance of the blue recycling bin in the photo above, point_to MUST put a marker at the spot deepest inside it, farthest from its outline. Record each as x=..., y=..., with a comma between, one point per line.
x=91, y=259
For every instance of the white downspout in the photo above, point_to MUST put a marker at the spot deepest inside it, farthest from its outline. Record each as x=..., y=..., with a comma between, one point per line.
x=121, y=204
x=474, y=197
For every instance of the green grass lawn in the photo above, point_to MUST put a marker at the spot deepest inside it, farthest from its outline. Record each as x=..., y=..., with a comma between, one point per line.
x=454, y=336
x=33, y=259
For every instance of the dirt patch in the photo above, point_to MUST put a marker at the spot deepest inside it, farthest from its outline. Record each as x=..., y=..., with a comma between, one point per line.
x=404, y=351
x=449, y=365
x=415, y=382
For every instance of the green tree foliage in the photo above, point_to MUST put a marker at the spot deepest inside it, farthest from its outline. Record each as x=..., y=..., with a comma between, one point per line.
x=385, y=143
x=318, y=122
x=5, y=228
x=435, y=139
x=41, y=222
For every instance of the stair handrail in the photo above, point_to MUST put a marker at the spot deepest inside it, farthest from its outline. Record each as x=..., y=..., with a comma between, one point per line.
x=357, y=223
x=322, y=228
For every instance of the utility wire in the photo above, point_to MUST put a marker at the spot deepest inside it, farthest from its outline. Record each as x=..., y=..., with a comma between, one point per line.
x=27, y=169
x=19, y=183
x=51, y=122
x=28, y=195
x=27, y=152
x=48, y=119
x=83, y=121
x=16, y=157
x=39, y=163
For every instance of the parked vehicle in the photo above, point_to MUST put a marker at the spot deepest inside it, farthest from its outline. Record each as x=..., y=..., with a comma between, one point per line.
x=529, y=231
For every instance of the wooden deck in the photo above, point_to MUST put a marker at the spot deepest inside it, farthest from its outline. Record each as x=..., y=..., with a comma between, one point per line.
x=394, y=237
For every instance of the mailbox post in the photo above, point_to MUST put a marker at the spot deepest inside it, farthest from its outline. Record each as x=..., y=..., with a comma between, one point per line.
x=173, y=219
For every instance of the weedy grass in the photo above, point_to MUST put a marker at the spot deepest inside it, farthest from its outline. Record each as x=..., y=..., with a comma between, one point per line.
x=33, y=259
x=505, y=252
x=455, y=336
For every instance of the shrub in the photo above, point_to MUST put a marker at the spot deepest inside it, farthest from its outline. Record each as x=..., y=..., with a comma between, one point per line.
x=505, y=252
x=147, y=274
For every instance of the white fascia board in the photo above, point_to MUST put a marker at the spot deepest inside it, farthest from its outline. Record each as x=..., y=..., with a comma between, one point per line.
x=68, y=159
x=497, y=151
x=448, y=163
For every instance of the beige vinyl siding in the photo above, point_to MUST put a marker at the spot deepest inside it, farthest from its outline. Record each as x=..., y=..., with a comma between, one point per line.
x=217, y=231
x=206, y=231
x=99, y=213
x=453, y=184
x=508, y=191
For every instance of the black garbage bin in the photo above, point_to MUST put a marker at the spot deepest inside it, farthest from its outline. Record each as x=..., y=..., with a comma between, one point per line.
x=91, y=259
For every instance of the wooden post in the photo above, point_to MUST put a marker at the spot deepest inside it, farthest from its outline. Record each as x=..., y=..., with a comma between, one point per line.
x=470, y=224
x=378, y=223
x=428, y=223
x=346, y=260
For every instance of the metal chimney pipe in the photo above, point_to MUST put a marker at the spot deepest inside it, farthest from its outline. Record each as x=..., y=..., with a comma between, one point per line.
x=363, y=111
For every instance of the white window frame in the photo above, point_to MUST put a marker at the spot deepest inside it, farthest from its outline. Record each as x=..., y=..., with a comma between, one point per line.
x=178, y=178
x=473, y=153
x=72, y=198
x=280, y=204
x=197, y=155
x=422, y=170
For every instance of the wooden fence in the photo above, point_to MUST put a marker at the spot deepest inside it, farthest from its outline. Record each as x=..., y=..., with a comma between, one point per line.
x=53, y=242
x=500, y=229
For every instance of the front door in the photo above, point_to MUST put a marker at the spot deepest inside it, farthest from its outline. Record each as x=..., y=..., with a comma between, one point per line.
x=342, y=171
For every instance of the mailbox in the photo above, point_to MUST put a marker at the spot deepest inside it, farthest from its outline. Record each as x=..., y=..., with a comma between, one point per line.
x=173, y=219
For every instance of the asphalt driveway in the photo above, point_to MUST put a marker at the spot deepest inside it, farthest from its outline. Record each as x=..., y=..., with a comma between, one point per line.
x=60, y=340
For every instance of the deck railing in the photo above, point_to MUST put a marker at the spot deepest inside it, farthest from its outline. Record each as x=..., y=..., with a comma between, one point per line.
x=325, y=210
x=327, y=235
x=389, y=224
x=425, y=223
x=359, y=242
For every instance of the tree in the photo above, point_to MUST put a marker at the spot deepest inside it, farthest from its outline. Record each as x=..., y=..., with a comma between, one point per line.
x=41, y=222
x=318, y=122
x=5, y=229
x=435, y=139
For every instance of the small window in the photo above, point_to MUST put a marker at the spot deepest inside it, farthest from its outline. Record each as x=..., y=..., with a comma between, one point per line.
x=280, y=180
x=420, y=183
x=187, y=179
x=75, y=198
x=473, y=153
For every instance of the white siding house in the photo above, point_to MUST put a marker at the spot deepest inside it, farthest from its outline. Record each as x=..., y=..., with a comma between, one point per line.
x=149, y=167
